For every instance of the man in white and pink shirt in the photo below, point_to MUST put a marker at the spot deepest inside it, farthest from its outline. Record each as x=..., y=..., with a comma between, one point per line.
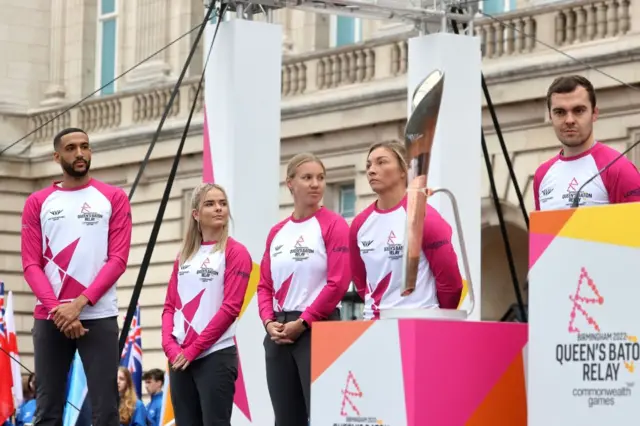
x=571, y=102
x=76, y=236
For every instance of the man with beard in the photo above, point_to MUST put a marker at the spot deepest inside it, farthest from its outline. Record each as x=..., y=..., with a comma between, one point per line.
x=571, y=103
x=76, y=236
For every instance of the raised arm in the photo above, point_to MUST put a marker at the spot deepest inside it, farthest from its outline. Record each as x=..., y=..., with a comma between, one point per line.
x=169, y=343
x=32, y=258
x=236, y=280
x=118, y=251
x=358, y=271
x=336, y=240
x=443, y=262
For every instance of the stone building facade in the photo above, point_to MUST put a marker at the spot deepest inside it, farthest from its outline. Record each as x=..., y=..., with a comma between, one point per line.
x=343, y=88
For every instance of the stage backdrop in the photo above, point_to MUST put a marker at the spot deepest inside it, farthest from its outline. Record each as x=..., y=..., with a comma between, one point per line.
x=584, y=317
x=418, y=373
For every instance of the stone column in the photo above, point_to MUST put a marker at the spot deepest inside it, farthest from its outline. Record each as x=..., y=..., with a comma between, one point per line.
x=241, y=133
x=461, y=103
x=55, y=92
x=150, y=36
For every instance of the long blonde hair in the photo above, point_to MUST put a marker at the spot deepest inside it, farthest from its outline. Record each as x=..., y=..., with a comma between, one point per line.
x=193, y=235
x=128, y=399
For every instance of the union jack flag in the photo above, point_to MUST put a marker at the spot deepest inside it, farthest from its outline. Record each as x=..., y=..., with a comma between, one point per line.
x=132, y=352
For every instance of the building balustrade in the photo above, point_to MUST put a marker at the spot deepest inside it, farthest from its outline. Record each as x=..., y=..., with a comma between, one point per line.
x=558, y=25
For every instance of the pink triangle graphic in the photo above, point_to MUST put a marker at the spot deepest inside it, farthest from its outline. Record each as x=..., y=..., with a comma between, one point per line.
x=71, y=288
x=538, y=243
x=281, y=294
x=207, y=161
x=64, y=256
x=457, y=366
x=190, y=308
x=240, y=397
x=378, y=292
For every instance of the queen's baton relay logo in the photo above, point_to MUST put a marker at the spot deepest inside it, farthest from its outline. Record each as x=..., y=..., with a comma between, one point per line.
x=607, y=357
x=349, y=408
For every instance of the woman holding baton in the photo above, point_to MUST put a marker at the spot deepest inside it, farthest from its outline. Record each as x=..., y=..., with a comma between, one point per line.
x=376, y=243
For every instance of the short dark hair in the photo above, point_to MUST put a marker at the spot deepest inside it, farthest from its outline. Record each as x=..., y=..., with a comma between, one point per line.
x=154, y=374
x=64, y=132
x=568, y=84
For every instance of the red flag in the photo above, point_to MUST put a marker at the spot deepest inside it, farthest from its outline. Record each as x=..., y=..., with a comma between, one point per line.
x=6, y=397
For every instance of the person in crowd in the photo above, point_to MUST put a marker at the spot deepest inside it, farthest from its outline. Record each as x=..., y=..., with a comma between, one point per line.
x=204, y=297
x=304, y=274
x=153, y=382
x=26, y=411
x=76, y=236
x=571, y=104
x=131, y=410
x=377, y=236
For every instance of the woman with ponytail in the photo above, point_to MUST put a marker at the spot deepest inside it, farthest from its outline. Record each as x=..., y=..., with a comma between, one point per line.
x=377, y=239
x=304, y=275
x=204, y=298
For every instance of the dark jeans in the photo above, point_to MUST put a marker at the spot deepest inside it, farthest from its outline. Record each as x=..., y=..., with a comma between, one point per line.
x=54, y=353
x=202, y=395
x=289, y=374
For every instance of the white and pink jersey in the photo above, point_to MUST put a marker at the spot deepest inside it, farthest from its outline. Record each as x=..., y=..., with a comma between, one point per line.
x=305, y=267
x=204, y=298
x=376, y=245
x=76, y=242
x=556, y=181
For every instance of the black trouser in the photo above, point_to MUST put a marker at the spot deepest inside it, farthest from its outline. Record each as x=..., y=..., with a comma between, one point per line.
x=289, y=374
x=202, y=395
x=54, y=353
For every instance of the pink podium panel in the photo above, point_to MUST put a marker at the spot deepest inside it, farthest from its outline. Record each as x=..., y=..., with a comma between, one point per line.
x=418, y=373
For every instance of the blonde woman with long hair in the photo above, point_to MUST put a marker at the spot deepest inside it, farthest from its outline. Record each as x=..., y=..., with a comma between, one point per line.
x=303, y=277
x=377, y=238
x=204, y=298
x=131, y=410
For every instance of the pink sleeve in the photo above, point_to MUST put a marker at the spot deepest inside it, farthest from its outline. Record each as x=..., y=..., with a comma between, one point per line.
x=265, y=286
x=540, y=173
x=32, y=260
x=536, y=190
x=358, y=270
x=118, y=250
x=622, y=181
x=336, y=240
x=443, y=262
x=237, y=271
x=169, y=343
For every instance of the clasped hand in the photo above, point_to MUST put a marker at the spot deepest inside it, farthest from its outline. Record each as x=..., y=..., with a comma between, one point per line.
x=285, y=334
x=65, y=317
x=180, y=363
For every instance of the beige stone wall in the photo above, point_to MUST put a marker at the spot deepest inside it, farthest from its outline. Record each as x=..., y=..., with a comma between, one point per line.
x=24, y=37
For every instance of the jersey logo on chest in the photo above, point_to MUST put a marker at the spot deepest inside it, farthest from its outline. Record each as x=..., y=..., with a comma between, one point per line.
x=300, y=250
x=55, y=215
x=88, y=216
x=206, y=273
x=393, y=248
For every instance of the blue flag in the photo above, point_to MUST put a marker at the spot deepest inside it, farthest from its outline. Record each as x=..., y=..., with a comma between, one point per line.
x=132, y=353
x=77, y=410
